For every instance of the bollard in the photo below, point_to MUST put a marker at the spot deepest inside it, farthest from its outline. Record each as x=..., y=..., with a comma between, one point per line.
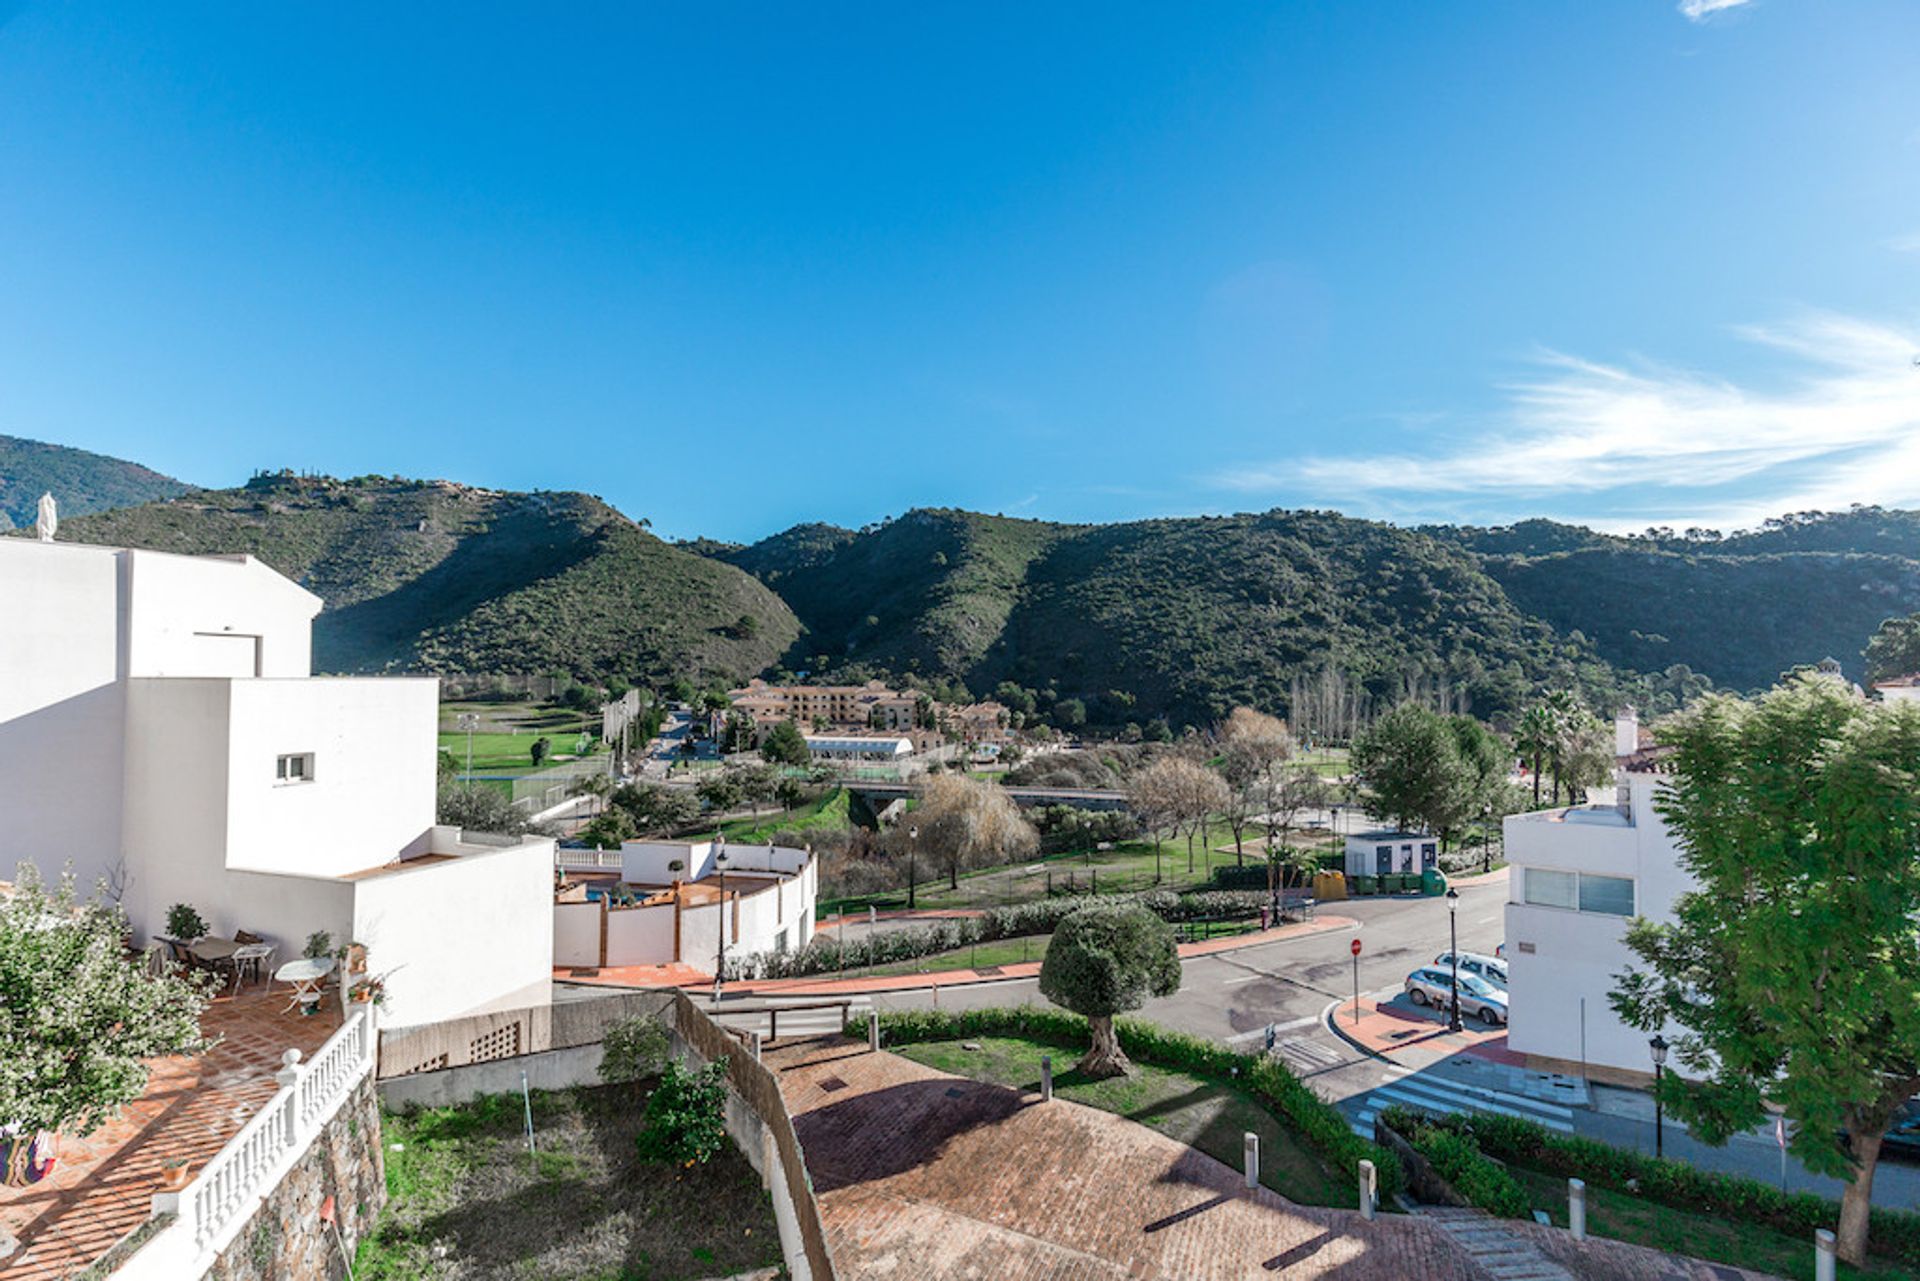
x=1046, y=1078
x=1367, y=1186
x=1251, y=1145
x=1577, y=1209
x=754, y=1044
x=1823, y=1255
x=873, y=1029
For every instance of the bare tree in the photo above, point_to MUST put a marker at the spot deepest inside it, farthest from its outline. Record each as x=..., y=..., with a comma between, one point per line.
x=1250, y=747
x=1177, y=794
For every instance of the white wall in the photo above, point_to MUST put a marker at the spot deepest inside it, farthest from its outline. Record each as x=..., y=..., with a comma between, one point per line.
x=644, y=936
x=461, y=936
x=194, y=616
x=176, y=801
x=61, y=710
x=576, y=933
x=374, y=743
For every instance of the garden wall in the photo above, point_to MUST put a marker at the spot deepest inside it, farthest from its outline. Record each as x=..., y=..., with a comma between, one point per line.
x=286, y=1237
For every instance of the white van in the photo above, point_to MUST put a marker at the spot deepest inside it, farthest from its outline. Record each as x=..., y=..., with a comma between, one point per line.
x=1490, y=968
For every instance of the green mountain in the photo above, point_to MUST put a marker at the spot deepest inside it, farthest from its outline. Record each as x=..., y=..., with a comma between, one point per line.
x=431, y=575
x=79, y=481
x=1184, y=618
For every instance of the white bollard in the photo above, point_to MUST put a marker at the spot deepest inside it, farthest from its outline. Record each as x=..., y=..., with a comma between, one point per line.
x=1368, y=1185
x=873, y=1029
x=1577, y=1208
x=755, y=1045
x=1251, y=1151
x=1824, y=1246
x=1046, y=1078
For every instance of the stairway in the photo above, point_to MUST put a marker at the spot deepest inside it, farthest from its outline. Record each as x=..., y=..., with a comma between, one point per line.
x=1499, y=1253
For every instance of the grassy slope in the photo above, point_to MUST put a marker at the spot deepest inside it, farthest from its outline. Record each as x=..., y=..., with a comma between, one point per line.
x=436, y=576
x=79, y=481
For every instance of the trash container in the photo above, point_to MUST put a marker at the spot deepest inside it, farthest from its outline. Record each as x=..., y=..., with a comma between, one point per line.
x=1363, y=884
x=1432, y=882
x=1329, y=886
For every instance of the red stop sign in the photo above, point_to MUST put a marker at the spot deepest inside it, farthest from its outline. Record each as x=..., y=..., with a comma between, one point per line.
x=1356, y=947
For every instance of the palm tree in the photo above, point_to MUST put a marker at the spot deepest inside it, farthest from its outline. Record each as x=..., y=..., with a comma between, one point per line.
x=1535, y=736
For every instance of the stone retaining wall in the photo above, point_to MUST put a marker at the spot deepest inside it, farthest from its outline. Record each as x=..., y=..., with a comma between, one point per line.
x=286, y=1238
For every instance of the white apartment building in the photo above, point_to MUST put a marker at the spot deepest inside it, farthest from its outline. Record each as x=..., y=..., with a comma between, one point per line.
x=160, y=730
x=1578, y=876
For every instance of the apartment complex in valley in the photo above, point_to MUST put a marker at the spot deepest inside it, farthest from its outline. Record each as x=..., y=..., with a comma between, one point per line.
x=874, y=707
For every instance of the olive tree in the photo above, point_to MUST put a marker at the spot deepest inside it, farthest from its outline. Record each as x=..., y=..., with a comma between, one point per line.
x=1105, y=960
x=1789, y=973
x=72, y=1047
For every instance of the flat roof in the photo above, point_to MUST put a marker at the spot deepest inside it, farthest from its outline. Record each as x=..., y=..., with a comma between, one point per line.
x=1384, y=835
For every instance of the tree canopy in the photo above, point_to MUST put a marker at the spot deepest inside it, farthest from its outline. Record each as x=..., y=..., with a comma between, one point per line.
x=965, y=823
x=1894, y=649
x=1429, y=771
x=1104, y=960
x=785, y=745
x=71, y=1046
x=1789, y=973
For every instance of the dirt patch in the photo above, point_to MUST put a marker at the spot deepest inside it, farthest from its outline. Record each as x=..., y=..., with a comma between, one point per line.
x=468, y=1201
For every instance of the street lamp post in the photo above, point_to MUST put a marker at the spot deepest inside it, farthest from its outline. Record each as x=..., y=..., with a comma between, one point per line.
x=720, y=955
x=1453, y=940
x=1658, y=1047
x=1273, y=883
x=469, y=721
x=1486, y=837
x=913, y=867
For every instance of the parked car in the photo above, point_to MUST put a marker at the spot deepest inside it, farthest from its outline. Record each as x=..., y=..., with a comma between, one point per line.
x=1478, y=998
x=1902, y=1141
x=1490, y=968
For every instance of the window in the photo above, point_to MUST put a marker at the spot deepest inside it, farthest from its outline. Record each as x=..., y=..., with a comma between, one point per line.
x=1582, y=891
x=1612, y=895
x=1550, y=889
x=294, y=768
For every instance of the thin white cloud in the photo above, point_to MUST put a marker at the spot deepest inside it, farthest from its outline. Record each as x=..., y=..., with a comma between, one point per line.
x=1700, y=10
x=1660, y=442
x=1907, y=244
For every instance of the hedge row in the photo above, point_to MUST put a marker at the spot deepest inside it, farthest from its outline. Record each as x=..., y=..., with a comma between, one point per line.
x=1893, y=1233
x=1269, y=1080
x=1456, y=1158
x=824, y=955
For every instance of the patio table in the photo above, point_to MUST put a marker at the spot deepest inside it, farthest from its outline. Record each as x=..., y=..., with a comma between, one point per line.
x=309, y=978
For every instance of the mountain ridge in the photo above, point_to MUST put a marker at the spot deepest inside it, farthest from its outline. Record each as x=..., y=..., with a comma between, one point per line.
x=80, y=481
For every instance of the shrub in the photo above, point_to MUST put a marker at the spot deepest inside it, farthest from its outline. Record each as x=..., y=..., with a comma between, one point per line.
x=183, y=922
x=634, y=1050
x=1456, y=1158
x=686, y=1115
x=1268, y=1080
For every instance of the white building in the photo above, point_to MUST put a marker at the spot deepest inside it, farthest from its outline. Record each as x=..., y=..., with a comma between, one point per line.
x=672, y=911
x=1579, y=875
x=159, y=729
x=858, y=747
x=1388, y=853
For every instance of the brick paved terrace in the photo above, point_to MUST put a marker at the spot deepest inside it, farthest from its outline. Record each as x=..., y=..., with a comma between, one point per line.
x=934, y=1177
x=101, y=1186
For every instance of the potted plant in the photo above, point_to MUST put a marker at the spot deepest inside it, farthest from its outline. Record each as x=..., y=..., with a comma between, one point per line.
x=184, y=923
x=175, y=1175
x=319, y=944
x=371, y=990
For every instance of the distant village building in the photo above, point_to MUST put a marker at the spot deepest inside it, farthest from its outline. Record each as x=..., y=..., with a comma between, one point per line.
x=858, y=747
x=869, y=706
x=1900, y=689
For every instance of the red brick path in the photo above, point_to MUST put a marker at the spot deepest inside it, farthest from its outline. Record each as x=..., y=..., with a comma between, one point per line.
x=101, y=1187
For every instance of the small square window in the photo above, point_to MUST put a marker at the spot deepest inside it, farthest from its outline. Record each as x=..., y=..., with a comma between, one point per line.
x=295, y=767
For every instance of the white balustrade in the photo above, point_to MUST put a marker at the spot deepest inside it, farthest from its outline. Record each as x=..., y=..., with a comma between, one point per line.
x=255, y=1159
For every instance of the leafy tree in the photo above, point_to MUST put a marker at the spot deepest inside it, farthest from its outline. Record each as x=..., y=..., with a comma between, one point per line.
x=791, y=793
x=635, y=1049
x=541, y=748
x=720, y=791
x=1790, y=970
x=655, y=808
x=606, y=831
x=1894, y=649
x=1535, y=736
x=1428, y=771
x=479, y=808
x=785, y=745
x=686, y=1115
x=72, y=1047
x=966, y=823
x=1070, y=713
x=1104, y=960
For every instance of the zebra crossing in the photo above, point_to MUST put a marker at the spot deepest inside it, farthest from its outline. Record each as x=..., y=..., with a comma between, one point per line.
x=1432, y=1093
x=1305, y=1054
x=791, y=1023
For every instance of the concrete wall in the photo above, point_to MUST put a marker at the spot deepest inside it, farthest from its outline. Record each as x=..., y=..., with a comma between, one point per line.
x=641, y=935
x=460, y=936
x=214, y=616
x=576, y=933
x=548, y=1070
x=285, y=1238
x=175, y=836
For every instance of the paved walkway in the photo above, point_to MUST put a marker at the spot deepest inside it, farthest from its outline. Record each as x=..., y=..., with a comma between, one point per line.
x=686, y=976
x=1416, y=1036
x=101, y=1187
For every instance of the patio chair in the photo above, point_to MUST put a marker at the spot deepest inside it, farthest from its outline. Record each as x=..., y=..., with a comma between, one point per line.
x=254, y=955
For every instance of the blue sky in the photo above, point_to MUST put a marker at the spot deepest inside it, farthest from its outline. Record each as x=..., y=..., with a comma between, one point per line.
x=737, y=266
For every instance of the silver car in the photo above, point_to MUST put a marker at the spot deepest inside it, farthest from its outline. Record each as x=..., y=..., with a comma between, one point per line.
x=1490, y=968
x=1478, y=998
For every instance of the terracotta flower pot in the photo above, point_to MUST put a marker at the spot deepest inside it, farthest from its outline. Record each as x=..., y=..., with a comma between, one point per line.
x=175, y=1178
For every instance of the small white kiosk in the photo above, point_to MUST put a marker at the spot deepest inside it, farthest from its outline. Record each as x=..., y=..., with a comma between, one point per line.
x=1389, y=853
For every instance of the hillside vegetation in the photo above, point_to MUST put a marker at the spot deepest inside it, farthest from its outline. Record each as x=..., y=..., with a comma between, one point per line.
x=430, y=575
x=80, y=481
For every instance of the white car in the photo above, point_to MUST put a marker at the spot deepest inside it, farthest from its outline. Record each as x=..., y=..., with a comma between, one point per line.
x=1490, y=968
x=1478, y=998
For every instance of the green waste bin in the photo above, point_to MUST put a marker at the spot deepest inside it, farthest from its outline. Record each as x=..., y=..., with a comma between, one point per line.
x=1432, y=882
x=1362, y=884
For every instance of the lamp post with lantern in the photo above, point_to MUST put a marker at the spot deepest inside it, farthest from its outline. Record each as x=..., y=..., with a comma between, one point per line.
x=720, y=954
x=1453, y=954
x=1658, y=1048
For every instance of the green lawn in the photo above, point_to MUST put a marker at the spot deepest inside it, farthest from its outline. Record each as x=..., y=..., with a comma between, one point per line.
x=513, y=753
x=828, y=813
x=1207, y=1115
x=1032, y=947
x=1628, y=1218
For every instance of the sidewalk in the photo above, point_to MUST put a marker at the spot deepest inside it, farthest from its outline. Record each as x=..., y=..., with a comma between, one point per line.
x=685, y=976
x=1415, y=1036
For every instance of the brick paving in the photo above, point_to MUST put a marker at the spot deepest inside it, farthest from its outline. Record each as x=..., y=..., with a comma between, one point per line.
x=928, y=1176
x=101, y=1186
x=1416, y=1036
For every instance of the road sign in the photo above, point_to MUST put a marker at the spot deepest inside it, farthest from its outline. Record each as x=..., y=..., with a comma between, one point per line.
x=1356, y=947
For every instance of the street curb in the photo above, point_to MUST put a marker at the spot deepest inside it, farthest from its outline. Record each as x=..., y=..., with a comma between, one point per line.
x=1333, y=1026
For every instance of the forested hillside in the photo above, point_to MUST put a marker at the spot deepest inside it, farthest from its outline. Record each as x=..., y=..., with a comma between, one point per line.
x=79, y=481
x=437, y=576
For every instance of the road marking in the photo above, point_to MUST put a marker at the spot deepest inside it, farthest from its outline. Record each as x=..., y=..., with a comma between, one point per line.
x=1251, y=978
